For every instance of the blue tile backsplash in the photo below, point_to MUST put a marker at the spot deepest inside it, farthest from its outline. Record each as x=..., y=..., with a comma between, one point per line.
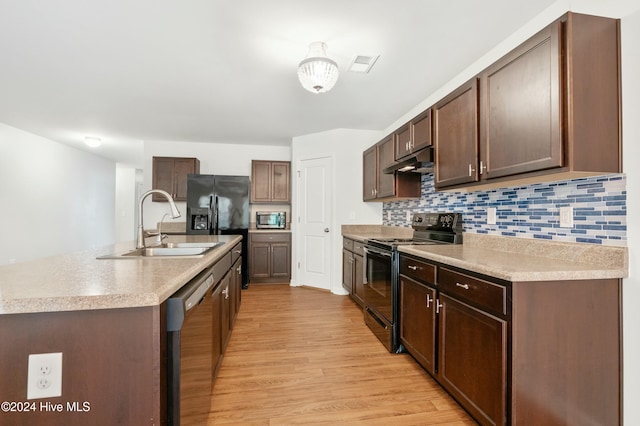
x=532, y=211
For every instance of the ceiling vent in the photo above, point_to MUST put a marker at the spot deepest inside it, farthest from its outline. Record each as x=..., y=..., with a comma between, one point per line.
x=361, y=63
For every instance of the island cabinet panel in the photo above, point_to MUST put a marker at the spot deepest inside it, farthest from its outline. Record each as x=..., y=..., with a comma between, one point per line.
x=111, y=359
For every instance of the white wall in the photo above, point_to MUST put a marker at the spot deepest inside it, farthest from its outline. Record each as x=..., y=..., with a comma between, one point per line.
x=631, y=151
x=215, y=158
x=126, y=196
x=55, y=199
x=345, y=146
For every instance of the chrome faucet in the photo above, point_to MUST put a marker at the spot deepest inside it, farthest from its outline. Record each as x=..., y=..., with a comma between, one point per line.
x=175, y=213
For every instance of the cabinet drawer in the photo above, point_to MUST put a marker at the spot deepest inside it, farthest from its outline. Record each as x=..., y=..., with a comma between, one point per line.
x=276, y=237
x=236, y=252
x=221, y=267
x=418, y=270
x=358, y=248
x=347, y=244
x=481, y=293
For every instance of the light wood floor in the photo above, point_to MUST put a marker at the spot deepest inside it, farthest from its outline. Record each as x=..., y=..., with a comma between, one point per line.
x=304, y=356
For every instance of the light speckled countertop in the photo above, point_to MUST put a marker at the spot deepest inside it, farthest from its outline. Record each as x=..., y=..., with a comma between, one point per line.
x=79, y=281
x=512, y=259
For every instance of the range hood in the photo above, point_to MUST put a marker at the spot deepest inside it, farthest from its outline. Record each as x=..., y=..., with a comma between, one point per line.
x=418, y=162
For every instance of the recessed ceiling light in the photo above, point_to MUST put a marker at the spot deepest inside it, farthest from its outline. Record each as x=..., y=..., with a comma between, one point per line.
x=362, y=63
x=93, y=142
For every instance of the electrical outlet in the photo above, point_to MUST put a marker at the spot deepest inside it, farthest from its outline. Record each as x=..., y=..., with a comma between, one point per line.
x=388, y=215
x=408, y=216
x=44, y=376
x=566, y=217
x=491, y=215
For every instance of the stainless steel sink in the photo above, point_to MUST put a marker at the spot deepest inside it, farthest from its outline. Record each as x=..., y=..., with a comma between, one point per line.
x=166, y=250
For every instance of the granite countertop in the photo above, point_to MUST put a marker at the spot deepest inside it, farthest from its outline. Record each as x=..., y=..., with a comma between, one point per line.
x=80, y=281
x=512, y=259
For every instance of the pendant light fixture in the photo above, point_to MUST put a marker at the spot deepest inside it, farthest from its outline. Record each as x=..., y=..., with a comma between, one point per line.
x=317, y=73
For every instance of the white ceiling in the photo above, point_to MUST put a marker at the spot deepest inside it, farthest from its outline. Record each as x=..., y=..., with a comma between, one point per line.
x=225, y=70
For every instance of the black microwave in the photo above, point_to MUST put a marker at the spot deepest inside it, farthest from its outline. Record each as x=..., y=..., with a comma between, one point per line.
x=271, y=220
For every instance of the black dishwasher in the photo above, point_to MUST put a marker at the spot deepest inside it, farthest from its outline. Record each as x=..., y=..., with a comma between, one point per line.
x=190, y=351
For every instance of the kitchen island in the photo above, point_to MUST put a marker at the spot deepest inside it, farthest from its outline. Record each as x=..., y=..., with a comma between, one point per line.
x=106, y=316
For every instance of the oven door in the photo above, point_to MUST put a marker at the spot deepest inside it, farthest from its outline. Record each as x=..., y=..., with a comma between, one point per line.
x=378, y=290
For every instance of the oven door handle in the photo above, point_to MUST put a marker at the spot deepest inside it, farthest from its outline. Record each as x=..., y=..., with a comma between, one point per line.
x=367, y=251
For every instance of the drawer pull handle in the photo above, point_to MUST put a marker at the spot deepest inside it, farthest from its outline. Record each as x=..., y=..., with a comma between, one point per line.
x=465, y=286
x=413, y=268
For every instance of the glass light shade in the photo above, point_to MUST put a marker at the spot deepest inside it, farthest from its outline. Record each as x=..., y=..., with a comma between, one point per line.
x=317, y=73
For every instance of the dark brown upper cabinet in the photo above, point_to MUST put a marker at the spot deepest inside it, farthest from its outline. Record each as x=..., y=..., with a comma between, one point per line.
x=170, y=174
x=456, y=136
x=379, y=186
x=413, y=136
x=548, y=110
x=271, y=182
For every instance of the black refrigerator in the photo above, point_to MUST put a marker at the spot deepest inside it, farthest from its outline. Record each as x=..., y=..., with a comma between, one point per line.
x=219, y=205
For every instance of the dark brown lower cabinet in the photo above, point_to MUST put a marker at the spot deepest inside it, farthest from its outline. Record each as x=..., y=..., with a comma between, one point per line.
x=418, y=330
x=352, y=269
x=539, y=353
x=473, y=359
x=270, y=257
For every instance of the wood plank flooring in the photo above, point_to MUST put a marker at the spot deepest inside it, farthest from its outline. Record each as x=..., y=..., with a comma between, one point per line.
x=304, y=356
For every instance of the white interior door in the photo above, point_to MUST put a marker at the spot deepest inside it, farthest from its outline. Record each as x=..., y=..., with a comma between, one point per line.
x=314, y=222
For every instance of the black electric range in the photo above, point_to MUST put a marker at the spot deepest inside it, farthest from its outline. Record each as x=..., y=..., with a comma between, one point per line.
x=381, y=273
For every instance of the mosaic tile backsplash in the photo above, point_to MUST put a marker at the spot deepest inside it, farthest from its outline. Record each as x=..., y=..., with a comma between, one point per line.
x=532, y=211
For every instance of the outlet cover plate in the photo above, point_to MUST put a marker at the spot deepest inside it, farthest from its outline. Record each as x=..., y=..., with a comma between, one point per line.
x=44, y=376
x=566, y=217
x=491, y=216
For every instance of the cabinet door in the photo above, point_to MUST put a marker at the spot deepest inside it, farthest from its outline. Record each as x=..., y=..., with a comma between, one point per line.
x=260, y=260
x=358, y=279
x=280, y=182
x=217, y=328
x=347, y=271
x=521, y=108
x=225, y=313
x=403, y=142
x=370, y=173
x=162, y=176
x=418, y=321
x=386, y=157
x=456, y=136
x=260, y=181
x=182, y=167
x=281, y=260
x=421, y=131
x=473, y=359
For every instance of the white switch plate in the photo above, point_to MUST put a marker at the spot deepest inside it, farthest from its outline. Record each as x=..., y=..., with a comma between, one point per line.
x=491, y=216
x=44, y=377
x=408, y=216
x=566, y=217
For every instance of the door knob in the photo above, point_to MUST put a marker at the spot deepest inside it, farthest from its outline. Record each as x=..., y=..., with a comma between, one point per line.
x=326, y=229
